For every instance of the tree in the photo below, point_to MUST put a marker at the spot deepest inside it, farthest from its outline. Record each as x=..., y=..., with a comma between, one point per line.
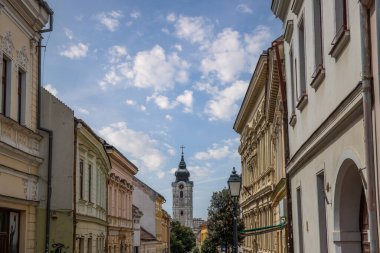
x=208, y=246
x=182, y=238
x=220, y=220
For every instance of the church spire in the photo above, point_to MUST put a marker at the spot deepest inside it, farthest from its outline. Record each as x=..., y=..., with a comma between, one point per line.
x=182, y=174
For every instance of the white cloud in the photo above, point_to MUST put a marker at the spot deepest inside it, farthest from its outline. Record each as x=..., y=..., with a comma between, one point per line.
x=171, y=17
x=83, y=110
x=216, y=153
x=165, y=30
x=199, y=171
x=110, y=20
x=168, y=117
x=243, y=8
x=69, y=34
x=135, y=14
x=172, y=170
x=226, y=56
x=178, y=47
x=162, y=102
x=75, y=51
x=50, y=88
x=160, y=174
x=138, y=145
x=256, y=42
x=130, y=102
x=223, y=104
x=170, y=149
x=187, y=100
x=116, y=53
x=142, y=108
x=192, y=29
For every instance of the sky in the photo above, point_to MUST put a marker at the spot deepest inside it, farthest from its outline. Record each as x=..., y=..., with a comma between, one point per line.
x=151, y=75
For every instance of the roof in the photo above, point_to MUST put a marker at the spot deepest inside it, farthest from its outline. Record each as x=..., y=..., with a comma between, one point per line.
x=146, y=236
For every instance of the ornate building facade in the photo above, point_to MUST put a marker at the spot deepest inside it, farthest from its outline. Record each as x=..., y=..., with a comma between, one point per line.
x=120, y=188
x=21, y=24
x=91, y=173
x=260, y=124
x=182, y=189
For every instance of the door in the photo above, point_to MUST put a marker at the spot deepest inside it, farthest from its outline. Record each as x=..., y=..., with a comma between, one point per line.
x=364, y=224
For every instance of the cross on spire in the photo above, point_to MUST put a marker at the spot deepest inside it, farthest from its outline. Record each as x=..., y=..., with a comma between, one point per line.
x=182, y=147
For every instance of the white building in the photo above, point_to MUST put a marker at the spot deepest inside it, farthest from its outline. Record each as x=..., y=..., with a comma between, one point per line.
x=331, y=168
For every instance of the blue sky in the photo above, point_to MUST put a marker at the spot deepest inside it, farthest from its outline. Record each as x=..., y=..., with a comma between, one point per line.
x=149, y=76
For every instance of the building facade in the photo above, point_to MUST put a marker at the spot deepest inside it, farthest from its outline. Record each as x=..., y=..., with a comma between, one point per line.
x=91, y=173
x=331, y=168
x=120, y=188
x=20, y=141
x=182, y=189
x=260, y=124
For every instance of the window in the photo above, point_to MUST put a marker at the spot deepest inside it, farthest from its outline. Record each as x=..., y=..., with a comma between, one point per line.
x=181, y=213
x=89, y=245
x=299, y=214
x=21, y=97
x=89, y=182
x=342, y=33
x=322, y=212
x=318, y=33
x=181, y=194
x=340, y=15
x=293, y=86
x=4, y=85
x=302, y=97
x=81, y=179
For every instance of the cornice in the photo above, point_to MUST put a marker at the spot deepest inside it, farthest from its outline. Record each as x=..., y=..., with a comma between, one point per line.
x=280, y=8
x=123, y=162
x=257, y=82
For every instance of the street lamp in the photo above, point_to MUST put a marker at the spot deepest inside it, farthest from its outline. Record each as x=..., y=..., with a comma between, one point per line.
x=234, y=185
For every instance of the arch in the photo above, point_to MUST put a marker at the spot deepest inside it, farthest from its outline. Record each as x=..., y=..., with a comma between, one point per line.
x=347, y=200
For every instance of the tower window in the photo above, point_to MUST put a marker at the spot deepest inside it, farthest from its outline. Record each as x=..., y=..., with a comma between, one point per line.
x=181, y=194
x=181, y=213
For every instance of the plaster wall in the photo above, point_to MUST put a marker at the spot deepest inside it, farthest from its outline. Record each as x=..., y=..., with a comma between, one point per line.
x=146, y=204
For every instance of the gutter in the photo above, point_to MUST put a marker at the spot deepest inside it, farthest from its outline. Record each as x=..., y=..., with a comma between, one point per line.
x=50, y=133
x=289, y=226
x=368, y=126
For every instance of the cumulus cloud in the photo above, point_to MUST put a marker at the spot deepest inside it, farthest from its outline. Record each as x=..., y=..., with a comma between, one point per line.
x=243, y=8
x=187, y=100
x=162, y=102
x=130, y=102
x=199, y=172
x=148, y=69
x=110, y=20
x=218, y=151
x=117, y=53
x=75, y=51
x=83, y=110
x=193, y=29
x=178, y=47
x=138, y=145
x=168, y=117
x=50, y=88
x=226, y=56
x=135, y=14
x=223, y=105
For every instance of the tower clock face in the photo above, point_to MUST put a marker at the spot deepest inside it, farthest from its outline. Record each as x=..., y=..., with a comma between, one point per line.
x=181, y=186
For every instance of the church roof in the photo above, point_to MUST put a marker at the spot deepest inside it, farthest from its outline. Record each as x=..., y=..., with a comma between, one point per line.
x=182, y=174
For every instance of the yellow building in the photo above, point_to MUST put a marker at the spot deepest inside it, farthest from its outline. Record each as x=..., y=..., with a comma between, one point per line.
x=120, y=188
x=260, y=124
x=21, y=24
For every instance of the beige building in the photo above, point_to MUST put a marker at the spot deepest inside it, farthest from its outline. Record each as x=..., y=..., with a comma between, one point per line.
x=120, y=188
x=260, y=124
x=21, y=24
x=91, y=173
x=331, y=170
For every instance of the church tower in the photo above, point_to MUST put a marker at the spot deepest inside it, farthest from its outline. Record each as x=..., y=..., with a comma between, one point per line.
x=183, y=195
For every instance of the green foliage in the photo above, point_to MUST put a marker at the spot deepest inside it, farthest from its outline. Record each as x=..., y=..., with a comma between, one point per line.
x=220, y=220
x=182, y=238
x=196, y=250
x=208, y=246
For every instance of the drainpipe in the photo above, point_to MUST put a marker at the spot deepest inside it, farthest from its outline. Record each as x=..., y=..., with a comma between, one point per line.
x=368, y=127
x=50, y=133
x=289, y=227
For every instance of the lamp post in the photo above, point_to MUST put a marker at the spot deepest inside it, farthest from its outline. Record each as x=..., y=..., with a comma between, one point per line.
x=234, y=185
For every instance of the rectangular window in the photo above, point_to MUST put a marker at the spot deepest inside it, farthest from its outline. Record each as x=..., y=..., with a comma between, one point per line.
x=81, y=179
x=89, y=182
x=322, y=212
x=340, y=15
x=21, y=97
x=299, y=215
x=89, y=245
x=318, y=33
x=292, y=84
x=302, y=57
x=4, y=86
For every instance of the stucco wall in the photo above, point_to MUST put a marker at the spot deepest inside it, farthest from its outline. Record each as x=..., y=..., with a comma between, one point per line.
x=147, y=205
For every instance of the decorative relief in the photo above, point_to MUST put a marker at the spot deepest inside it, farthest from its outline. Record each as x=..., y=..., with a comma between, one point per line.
x=7, y=43
x=6, y=131
x=22, y=58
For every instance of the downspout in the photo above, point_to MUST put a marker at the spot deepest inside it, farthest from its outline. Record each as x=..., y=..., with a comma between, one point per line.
x=368, y=127
x=50, y=133
x=75, y=186
x=289, y=227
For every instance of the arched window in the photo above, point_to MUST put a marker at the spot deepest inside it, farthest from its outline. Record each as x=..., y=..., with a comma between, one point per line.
x=181, y=194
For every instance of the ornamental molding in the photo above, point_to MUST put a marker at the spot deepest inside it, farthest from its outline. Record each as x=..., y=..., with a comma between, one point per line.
x=22, y=58
x=7, y=44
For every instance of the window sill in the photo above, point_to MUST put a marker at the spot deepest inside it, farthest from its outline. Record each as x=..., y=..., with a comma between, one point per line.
x=293, y=120
x=302, y=102
x=318, y=76
x=340, y=42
